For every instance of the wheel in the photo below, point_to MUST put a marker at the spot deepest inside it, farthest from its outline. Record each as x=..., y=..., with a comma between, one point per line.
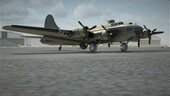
x=93, y=47
x=83, y=46
x=123, y=47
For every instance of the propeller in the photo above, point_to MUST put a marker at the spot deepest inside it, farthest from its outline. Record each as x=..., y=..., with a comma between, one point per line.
x=85, y=27
x=108, y=35
x=87, y=31
x=150, y=33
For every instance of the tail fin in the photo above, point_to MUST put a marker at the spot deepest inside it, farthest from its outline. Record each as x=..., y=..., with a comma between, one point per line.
x=50, y=23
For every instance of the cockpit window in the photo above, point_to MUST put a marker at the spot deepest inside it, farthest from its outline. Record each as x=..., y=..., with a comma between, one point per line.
x=111, y=21
x=120, y=23
x=116, y=24
x=130, y=23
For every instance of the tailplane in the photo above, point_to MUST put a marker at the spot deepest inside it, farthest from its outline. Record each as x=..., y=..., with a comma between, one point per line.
x=50, y=23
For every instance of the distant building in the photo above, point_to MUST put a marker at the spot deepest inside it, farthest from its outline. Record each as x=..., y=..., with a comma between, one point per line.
x=154, y=41
x=10, y=39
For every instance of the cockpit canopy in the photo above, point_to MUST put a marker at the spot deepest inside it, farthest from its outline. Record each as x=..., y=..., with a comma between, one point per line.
x=113, y=23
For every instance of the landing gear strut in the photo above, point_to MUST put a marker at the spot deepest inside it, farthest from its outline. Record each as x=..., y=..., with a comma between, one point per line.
x=59, y=48
x=123, y=47
x=93, y=47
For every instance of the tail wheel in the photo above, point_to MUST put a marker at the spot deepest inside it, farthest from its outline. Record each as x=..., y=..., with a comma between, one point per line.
x=123, y=47
x=59, y=48
x=93, y=47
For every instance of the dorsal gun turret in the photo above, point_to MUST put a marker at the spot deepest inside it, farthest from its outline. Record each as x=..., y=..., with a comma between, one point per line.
x=111, y=21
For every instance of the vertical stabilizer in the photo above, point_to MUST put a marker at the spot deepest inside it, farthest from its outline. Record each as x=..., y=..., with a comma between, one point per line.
x=50, y=23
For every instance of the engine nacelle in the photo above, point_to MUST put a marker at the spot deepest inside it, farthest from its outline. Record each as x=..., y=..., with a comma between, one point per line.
x=47, y=41
x=133, y=39
x=144, y=34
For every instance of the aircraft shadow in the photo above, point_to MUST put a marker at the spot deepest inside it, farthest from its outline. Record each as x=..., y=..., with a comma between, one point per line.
x=87, y=52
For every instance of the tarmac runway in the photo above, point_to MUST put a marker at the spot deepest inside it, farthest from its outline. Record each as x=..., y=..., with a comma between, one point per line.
x=29, y=71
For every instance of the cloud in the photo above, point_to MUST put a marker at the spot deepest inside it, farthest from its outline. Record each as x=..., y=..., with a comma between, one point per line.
x=108, y=13
x=13, y=10
x=59, y=10
x=29, y=12
x=34, y=18
x=119, y=16
x=86, y=10
x=42, y=3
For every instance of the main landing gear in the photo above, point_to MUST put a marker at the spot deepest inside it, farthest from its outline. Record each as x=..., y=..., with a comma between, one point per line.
x=92, y=47
x=83, y=46
x=124, y=46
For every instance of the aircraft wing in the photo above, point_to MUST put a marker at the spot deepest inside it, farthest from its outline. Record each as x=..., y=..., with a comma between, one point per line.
x=37, y=30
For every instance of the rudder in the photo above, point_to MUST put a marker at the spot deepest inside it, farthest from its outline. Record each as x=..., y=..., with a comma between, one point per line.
x=50, y=23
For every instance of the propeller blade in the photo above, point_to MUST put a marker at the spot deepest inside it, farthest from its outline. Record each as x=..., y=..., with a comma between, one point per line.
x=93, y=27
x=159, y=32
x=150, y=40
x=154, y=30
x=108, y=35
x=139, y=42
x=138, y=37
x=81, y=24
x=145, y=27
x=104, y=28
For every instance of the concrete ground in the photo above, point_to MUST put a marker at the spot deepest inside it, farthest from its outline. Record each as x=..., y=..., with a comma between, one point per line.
x=43, y=71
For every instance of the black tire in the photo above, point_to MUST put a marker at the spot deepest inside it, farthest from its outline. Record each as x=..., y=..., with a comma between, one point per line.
x=83, y=46
x=93, y=47
x=123, y=47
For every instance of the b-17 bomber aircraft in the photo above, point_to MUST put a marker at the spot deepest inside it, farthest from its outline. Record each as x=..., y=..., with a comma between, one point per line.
x=51, y=34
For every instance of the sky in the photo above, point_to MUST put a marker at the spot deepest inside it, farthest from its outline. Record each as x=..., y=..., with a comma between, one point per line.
x=152, y=13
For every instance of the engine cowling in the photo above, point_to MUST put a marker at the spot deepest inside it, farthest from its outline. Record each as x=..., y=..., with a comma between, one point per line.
x=47, y=41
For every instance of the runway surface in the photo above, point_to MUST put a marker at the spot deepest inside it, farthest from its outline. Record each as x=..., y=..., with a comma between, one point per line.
x=73, y=72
